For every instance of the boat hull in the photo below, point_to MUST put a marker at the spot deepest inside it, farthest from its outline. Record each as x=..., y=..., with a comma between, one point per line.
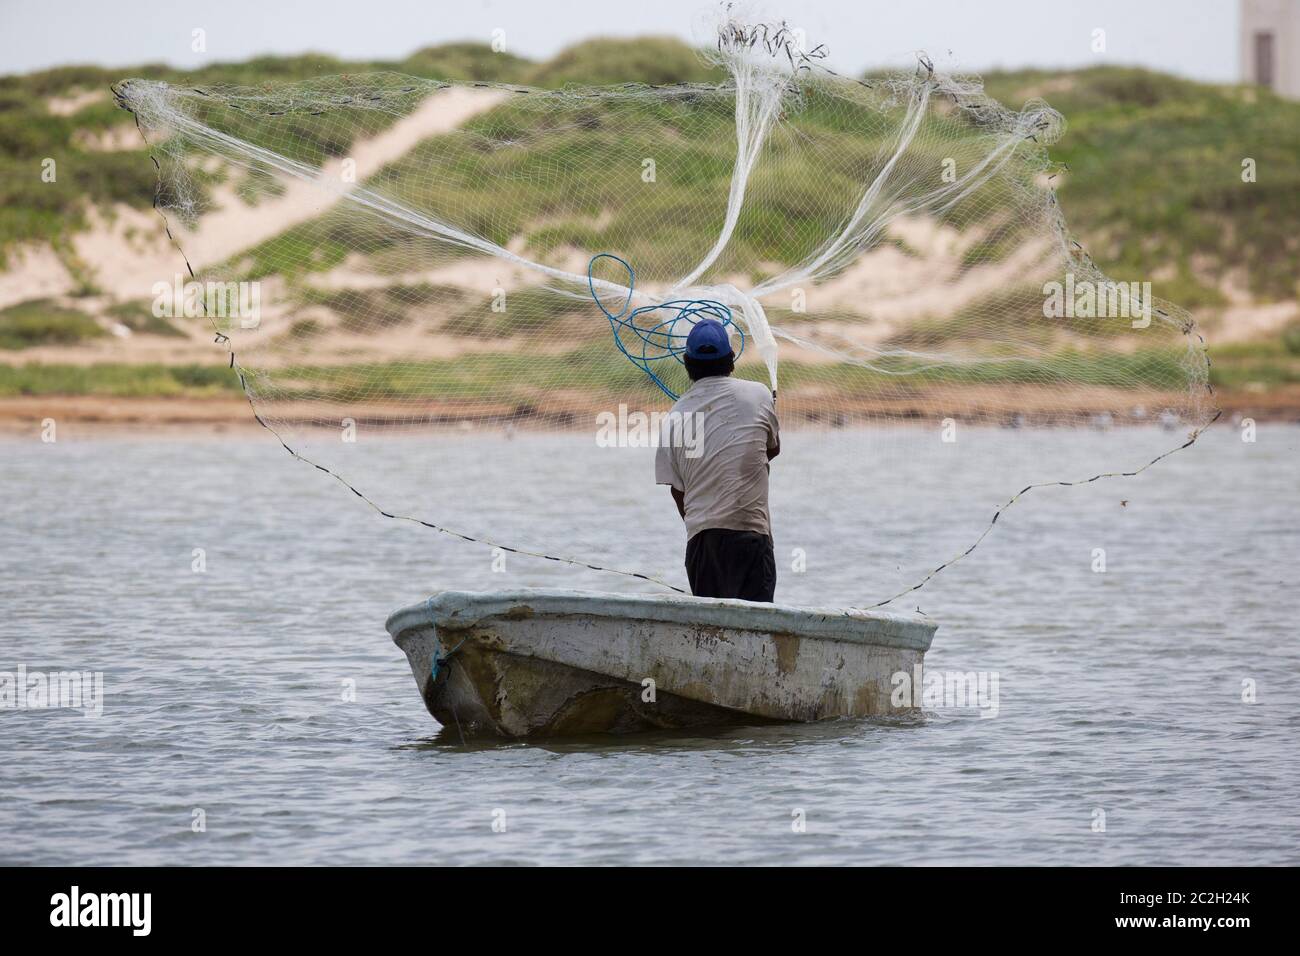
x=537, y=662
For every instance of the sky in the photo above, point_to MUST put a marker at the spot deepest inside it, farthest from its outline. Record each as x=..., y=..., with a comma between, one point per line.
x=1194, y=38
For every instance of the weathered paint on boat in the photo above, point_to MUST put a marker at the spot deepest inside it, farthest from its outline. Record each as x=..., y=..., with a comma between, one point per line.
x=540, y=662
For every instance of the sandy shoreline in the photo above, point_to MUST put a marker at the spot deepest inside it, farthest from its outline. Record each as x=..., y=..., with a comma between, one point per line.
x=26, y=415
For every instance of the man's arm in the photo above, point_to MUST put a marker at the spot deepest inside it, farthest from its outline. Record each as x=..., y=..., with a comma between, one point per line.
x=773, y=430
x=679, y=497
x=666, y=473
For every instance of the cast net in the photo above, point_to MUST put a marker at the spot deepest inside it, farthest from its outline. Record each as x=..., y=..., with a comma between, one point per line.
x=450, y=265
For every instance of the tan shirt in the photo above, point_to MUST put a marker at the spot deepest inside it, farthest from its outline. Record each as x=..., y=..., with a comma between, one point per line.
x=713, y=447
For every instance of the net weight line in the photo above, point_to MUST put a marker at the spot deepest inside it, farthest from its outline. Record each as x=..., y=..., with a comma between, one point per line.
x=1042, y=484
x=222, y=339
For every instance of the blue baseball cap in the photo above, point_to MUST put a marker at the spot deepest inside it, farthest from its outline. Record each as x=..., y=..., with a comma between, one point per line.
x=708, y=341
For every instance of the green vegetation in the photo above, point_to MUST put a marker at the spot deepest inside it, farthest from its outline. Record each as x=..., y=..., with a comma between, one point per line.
x=1155, y=176
x=42, y=322
x=605, y=62
x=30, y=207
x=465, y=61
x=1154, y=188
x=527, y=310
x=1291, y=338
x=257, y=185
x=1255, y=365
x=368, y=310
x=359, y=310
x=304, y=329
x=33, y=209
x=307, y=247
x=116, y=380
x=509, y=173
x=517, y=378
x=138, y=317
x=1154, y=181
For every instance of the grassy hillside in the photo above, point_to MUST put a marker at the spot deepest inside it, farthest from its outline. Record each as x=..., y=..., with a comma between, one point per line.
x=1156, y=176
x=1154, y=188
x=31, y=132
x=1155, y=161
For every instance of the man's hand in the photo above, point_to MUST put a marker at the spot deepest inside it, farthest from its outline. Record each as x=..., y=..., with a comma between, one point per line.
x=774, y=451
x=679, y=497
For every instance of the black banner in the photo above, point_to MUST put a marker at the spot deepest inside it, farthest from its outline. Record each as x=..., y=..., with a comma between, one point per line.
x=1223, y=905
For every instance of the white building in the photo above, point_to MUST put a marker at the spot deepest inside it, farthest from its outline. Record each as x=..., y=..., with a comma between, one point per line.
x=1270, y=45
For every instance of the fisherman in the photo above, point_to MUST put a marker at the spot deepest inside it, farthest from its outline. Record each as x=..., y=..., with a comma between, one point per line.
x=719, y=479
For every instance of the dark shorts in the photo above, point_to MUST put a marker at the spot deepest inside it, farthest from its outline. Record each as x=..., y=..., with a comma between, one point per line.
x=722, y=563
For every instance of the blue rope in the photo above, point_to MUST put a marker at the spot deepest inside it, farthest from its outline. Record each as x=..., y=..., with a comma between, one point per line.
x=659, y=341
x=438, y=659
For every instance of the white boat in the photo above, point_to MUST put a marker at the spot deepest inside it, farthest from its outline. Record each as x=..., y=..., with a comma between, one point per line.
x=542, y=662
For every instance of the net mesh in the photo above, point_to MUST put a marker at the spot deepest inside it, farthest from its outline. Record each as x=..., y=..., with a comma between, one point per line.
x=422, y=258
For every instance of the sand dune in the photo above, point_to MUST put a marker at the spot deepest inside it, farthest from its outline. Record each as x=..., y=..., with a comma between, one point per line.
x=127, y=268
x=125, y=250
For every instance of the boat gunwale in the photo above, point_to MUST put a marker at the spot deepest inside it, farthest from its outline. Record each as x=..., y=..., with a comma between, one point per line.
x=462, y=610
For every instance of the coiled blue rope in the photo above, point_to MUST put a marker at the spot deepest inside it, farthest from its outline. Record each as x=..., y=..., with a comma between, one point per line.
x=660, y=340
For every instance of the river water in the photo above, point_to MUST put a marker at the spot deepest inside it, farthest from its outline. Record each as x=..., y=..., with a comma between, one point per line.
x=255, y=710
